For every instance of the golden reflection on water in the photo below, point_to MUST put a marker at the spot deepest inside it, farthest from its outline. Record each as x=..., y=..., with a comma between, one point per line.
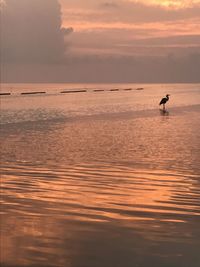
x=44, y=210
x=171, y=140
x=101, y=191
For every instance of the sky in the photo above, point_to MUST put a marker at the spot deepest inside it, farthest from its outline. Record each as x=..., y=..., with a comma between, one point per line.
x=100, y=41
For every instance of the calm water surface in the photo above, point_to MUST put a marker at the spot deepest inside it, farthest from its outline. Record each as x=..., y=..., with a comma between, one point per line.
x=100, y=179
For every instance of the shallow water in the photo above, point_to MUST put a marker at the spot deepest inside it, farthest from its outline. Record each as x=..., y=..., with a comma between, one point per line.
x=101, y=179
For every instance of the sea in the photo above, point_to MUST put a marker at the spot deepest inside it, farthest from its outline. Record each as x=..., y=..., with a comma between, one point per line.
x=99, y=175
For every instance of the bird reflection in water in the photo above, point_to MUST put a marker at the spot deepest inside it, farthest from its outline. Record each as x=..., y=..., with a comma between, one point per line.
x=164, y=112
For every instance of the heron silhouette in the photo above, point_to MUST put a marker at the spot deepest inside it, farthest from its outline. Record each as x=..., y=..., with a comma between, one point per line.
x=164, y=101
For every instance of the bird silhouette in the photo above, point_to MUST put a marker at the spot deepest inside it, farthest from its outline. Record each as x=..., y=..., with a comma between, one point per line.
x=164, y=101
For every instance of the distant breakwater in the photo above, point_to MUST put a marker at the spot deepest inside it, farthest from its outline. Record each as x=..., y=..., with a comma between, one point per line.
x=71, y=91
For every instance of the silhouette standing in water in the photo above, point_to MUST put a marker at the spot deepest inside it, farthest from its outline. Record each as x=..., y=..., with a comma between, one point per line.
x=164, y=101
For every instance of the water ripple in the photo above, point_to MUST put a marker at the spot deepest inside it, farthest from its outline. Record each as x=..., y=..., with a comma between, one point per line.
x=91, y=191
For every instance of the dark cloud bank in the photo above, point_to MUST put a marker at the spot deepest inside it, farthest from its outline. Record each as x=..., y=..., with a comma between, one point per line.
x=31, y=31
x=33, y=49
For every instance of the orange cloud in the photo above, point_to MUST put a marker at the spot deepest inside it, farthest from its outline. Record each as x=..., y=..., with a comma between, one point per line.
x=170, y=4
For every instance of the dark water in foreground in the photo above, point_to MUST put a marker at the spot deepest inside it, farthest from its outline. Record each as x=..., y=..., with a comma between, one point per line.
x=102, y=180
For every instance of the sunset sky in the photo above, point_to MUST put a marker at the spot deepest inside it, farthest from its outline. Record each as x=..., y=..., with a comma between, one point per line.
x=101, y=41
x=141, y=27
